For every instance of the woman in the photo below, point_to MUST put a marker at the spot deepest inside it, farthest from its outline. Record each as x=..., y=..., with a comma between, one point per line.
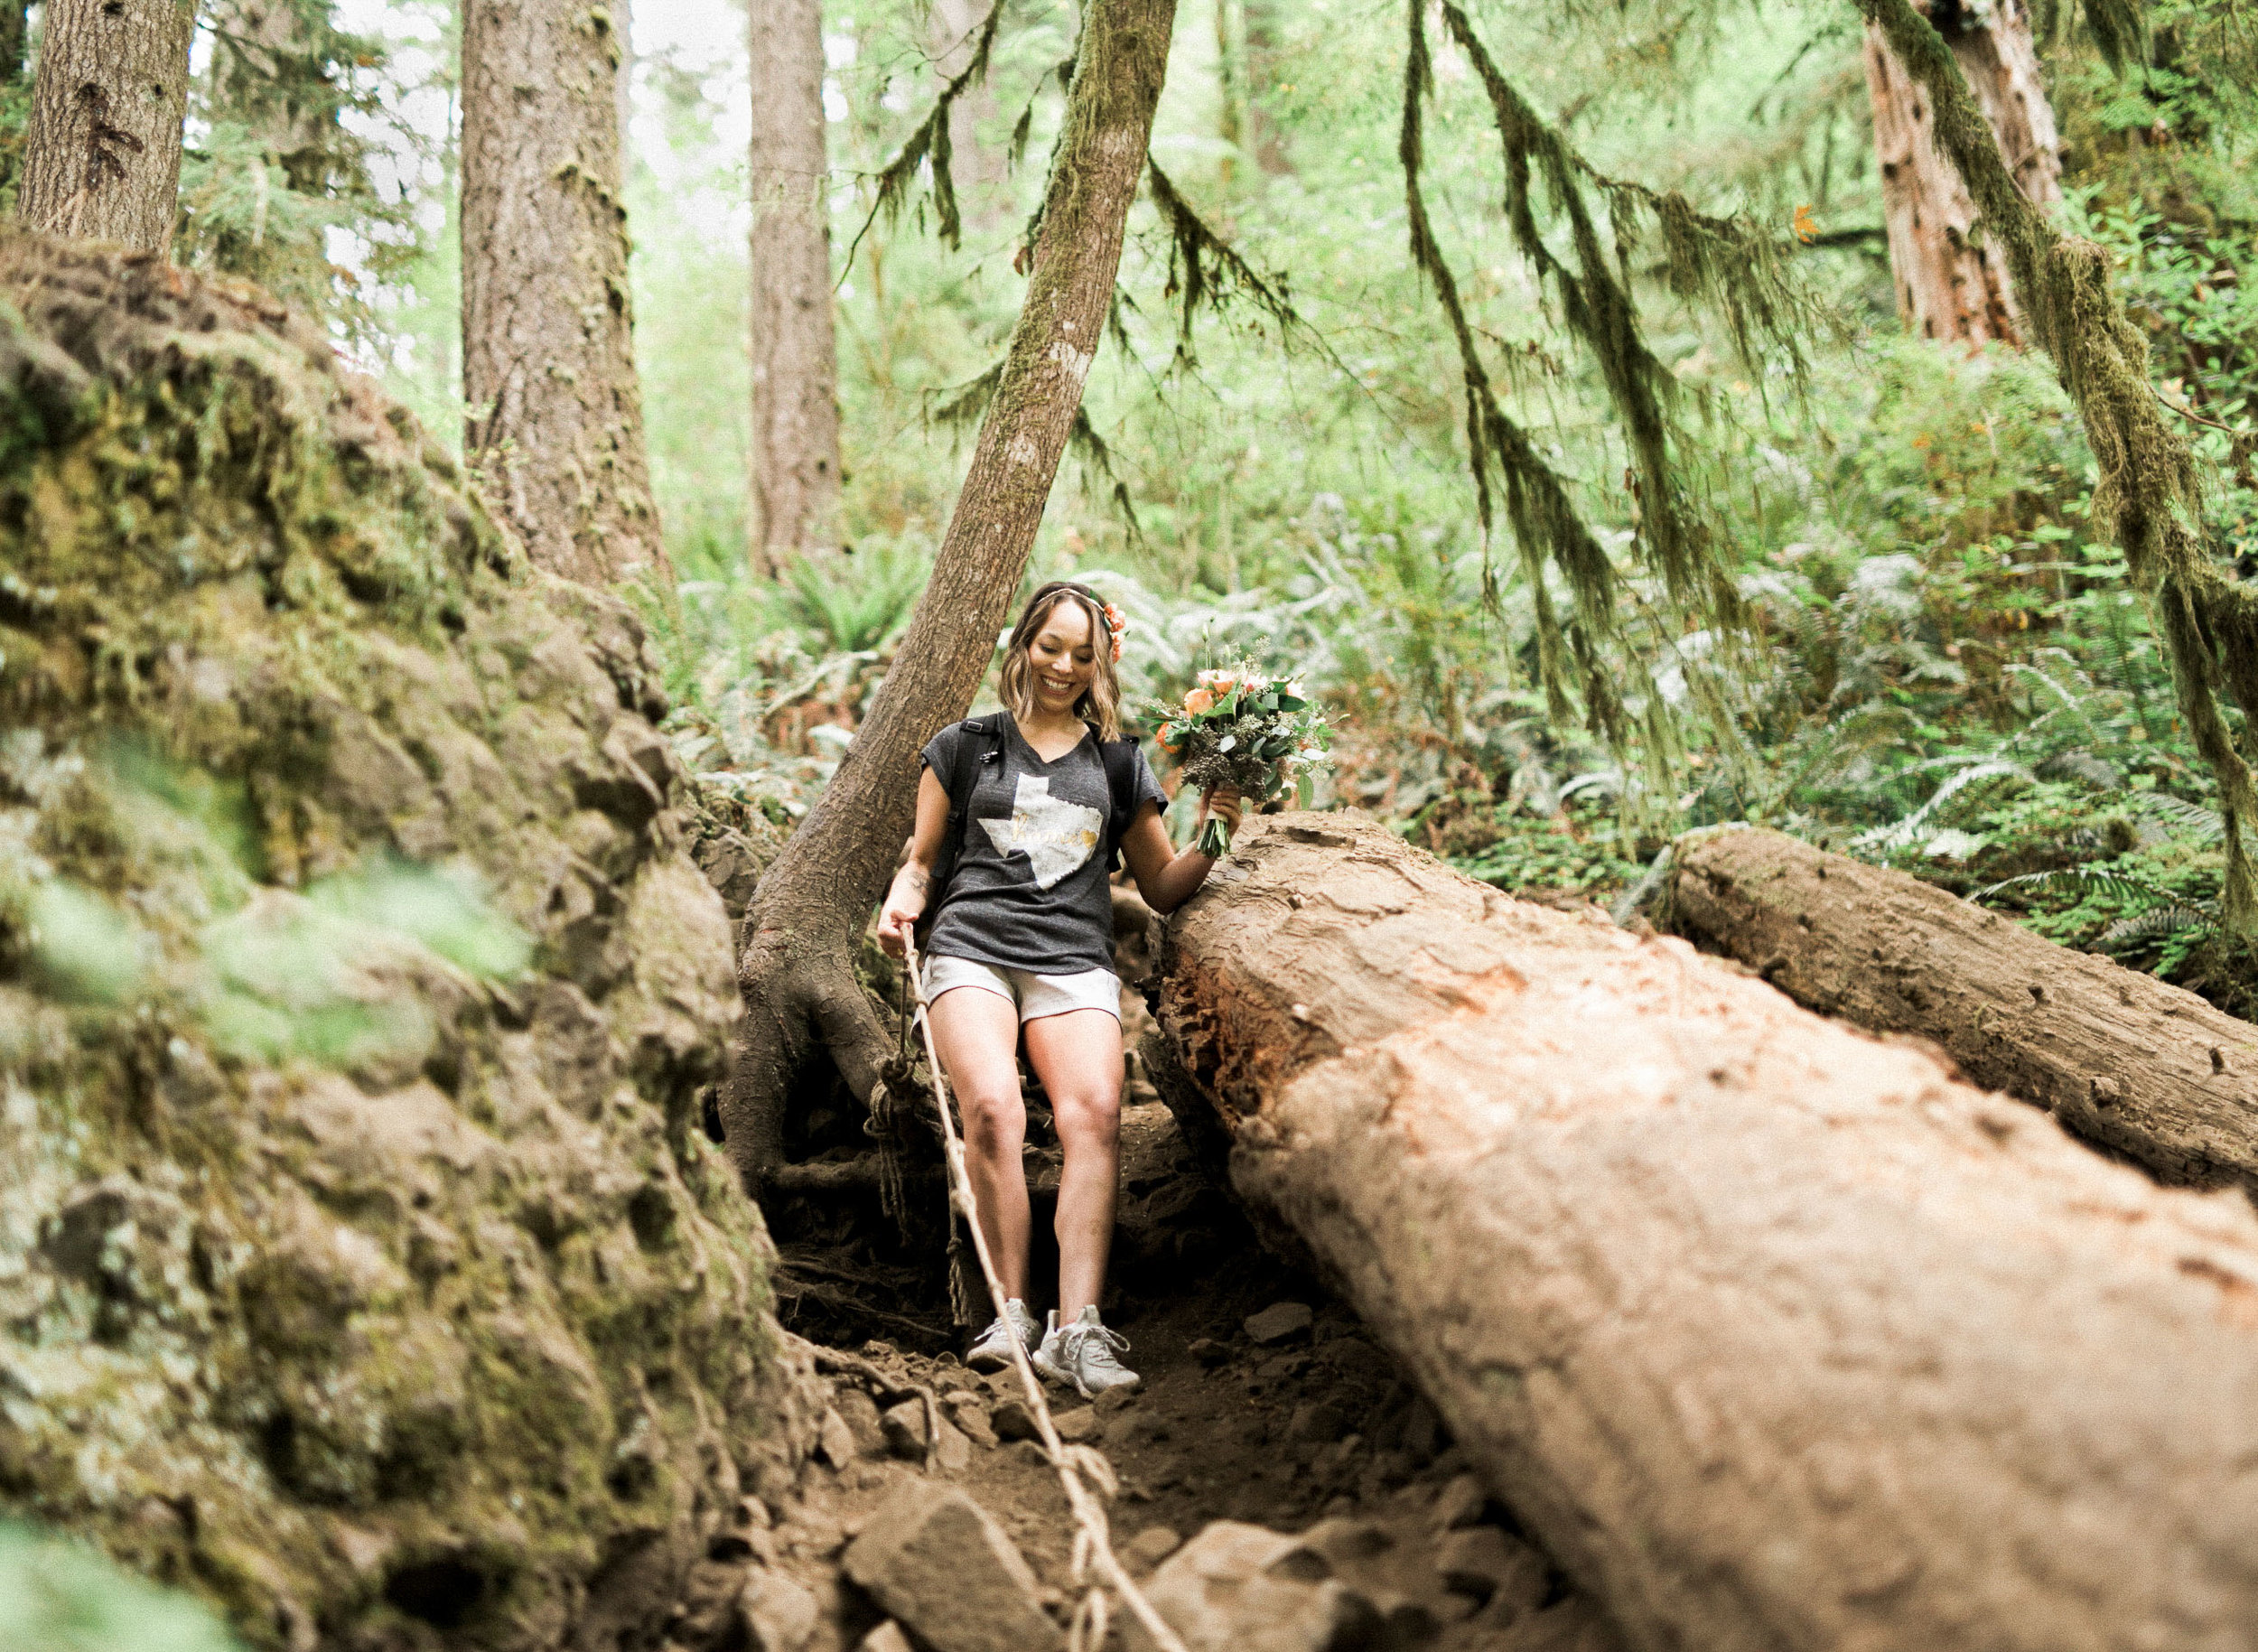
x=1022, y=940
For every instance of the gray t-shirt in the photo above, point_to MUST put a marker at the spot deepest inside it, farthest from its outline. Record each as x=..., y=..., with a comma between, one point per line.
x=1029, y=887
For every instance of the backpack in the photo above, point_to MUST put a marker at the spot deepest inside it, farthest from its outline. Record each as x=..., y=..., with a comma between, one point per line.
x=982, y=743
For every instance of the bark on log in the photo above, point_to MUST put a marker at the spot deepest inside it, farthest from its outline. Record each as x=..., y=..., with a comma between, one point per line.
x=1780, y=1337
x=2120, y=1058
x=102, y=154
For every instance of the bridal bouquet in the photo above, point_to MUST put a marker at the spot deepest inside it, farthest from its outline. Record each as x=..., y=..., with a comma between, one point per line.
x=1241, y=728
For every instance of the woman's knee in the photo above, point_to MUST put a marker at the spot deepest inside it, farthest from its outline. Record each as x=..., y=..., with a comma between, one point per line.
x=993, y=1118
x=1091, y=1115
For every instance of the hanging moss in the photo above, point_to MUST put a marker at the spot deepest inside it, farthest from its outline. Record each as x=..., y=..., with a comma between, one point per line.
x=1721, y=264
x=2148, y=499
x=931, y=143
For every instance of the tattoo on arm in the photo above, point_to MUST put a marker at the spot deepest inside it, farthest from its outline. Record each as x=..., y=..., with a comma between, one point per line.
x=919, y=879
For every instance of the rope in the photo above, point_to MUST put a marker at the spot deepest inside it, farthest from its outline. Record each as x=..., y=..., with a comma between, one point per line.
x=1083, y=1471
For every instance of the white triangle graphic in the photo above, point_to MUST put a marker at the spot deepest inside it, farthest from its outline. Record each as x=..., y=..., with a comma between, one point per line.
x=1054, y=835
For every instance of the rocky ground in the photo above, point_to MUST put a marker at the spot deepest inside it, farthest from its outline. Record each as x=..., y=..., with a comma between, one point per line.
x=1282, y=1486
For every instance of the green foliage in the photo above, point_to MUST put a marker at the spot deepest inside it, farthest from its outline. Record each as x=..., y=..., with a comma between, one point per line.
x=292, y=125
x=1949, y=661
x=60, y=1597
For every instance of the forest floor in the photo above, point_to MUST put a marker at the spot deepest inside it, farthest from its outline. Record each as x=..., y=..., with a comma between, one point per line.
x=1264, y=1403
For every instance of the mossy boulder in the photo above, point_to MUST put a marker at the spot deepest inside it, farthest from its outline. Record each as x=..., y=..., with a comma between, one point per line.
x=362, y=1267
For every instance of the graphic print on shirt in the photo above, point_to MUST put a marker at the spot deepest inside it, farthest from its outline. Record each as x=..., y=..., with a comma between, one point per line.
x=1054, y=835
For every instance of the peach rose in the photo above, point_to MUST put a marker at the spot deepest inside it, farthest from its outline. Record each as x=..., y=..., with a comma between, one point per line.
x=1198, y=701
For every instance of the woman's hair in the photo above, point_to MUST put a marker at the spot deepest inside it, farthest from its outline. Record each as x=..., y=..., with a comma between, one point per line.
x=1099, y=704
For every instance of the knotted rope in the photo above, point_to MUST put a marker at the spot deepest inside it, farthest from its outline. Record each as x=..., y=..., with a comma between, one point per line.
x=1083, y=1471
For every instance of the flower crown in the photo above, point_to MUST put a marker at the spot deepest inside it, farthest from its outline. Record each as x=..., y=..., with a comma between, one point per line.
x=1117, y=623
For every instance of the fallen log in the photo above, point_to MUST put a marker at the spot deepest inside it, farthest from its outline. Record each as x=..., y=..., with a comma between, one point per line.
x=2123, y=1058
x=1778, y=1335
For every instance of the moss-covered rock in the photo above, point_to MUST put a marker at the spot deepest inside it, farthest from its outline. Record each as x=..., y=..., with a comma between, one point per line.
x=361, y=1266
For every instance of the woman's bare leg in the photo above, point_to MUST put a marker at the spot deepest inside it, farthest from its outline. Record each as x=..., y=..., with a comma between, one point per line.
x=977, y=1035
x=1077, y=1056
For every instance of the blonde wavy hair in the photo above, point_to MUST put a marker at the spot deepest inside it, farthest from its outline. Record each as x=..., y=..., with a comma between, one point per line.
x=1099, y=704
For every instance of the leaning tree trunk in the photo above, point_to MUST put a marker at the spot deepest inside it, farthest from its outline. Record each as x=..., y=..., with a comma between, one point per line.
x=1780, y=1337
x=815, y=899
x=548, y=360
x=2122, y=1059
x=795, y=468
x=1951, y=284
x=102, y=156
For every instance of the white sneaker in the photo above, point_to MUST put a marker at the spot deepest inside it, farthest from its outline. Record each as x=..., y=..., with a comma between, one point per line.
x=1081, y=1355
x=992, y=1349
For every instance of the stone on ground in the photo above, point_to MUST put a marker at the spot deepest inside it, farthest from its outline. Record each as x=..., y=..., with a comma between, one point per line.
x=938, y=1562
x=1151, y=1547
x=1240, y=1588
x=1482, y=1560
x=1081, y=1426
x=776, y=1614
x=1279, y=1322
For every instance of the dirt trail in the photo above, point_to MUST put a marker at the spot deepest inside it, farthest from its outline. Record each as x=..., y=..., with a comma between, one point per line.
x=1314, y=1433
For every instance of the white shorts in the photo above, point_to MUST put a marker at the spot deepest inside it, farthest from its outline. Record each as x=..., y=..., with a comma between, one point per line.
x=1036, y=995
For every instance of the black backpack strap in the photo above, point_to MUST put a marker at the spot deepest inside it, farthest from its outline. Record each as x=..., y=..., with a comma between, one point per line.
x=980, y=741
x=1121, y=788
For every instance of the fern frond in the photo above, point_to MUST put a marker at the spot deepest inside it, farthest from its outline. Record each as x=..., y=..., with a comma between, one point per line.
x=2180, y=816
x=2085, y=881
x=2160, y=923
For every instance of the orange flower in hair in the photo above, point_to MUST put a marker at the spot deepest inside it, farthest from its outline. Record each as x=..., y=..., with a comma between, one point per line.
x=1117, y=623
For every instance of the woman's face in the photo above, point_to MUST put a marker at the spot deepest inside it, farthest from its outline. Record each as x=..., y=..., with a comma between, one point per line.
x=1064, y=659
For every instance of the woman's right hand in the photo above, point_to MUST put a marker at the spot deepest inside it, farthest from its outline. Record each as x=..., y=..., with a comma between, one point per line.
x=896, y=918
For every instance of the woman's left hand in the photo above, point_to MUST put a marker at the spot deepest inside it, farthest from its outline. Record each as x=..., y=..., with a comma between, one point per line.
x=1222, y=801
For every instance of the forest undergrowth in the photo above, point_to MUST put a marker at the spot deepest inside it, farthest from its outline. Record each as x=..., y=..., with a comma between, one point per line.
x=1950, y=678
x=1946, y=667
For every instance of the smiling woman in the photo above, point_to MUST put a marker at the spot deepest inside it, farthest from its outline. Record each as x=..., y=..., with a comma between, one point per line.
x=1021, y=937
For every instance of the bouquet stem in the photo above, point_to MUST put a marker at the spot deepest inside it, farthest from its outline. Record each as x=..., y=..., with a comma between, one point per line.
x=1215, y=838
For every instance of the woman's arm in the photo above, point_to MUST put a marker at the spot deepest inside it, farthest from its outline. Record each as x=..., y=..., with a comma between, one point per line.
x=1164, y=878
x=910, y=890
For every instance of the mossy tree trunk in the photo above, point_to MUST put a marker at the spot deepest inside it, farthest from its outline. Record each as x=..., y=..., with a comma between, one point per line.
x=102, y=157
x=548, y=363
x=1951, y=284
x=795, y=468
x=816, y=900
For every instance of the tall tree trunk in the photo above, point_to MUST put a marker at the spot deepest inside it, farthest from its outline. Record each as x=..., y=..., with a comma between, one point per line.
x=795, y=458
x=15, y=34
x=1265, y=61
x=1950, y=285
x=548, y=360
x=815, y=901
x=102, y=158
x=1230, y=90
x=1778, y=1335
